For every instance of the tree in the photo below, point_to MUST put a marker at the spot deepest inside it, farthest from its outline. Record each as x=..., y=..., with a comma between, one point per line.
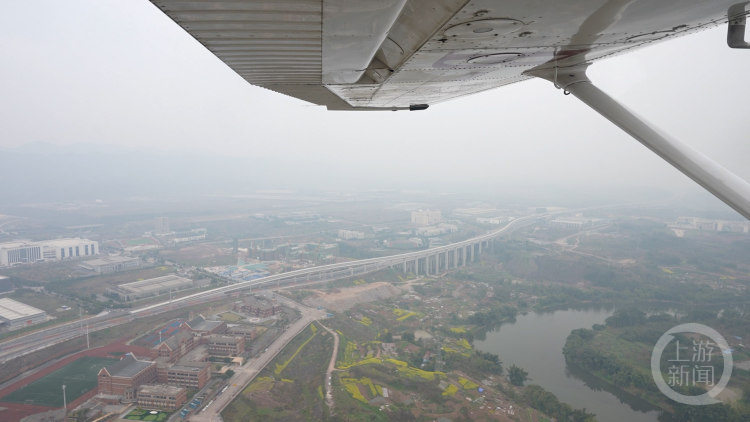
x=626, y=317
x=517, y=376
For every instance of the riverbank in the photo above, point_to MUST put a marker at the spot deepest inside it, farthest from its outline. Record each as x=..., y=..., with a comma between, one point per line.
x=618, y=354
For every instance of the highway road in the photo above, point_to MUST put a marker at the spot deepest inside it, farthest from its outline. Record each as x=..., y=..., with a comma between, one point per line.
x=47, y=337
x=41, y=339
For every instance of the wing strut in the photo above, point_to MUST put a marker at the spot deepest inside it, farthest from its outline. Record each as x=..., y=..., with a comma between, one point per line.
x=715, y=178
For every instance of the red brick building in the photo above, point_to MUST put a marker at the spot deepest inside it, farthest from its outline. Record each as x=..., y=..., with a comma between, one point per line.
x=202, y=326
x=220, y=345
x=257, y=307
x=124, y=377
x=174, y=347
x=166, y=397
x=189, y=374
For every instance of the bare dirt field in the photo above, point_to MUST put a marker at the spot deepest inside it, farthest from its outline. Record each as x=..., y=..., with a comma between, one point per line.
x=345, y=298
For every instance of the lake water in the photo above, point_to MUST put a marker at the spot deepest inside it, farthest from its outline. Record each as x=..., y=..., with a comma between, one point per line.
x=535, y=341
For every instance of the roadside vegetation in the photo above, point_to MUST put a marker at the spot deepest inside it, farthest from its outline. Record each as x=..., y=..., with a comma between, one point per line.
x=290, y=388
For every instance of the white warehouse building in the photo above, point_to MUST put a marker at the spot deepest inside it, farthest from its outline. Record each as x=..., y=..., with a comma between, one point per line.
x=15, y=315
x=12, y=253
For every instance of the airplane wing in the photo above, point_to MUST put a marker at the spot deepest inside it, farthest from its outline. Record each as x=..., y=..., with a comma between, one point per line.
x=409, y=54
x=396, y=54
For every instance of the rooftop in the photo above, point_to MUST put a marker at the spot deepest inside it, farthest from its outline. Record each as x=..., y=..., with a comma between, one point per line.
x=189, y=366
x=68, y=241
x=159, y=283
x=109, y=260
x=254, y=302
x=128, y=366
x=224, y=338
x=167, y=390
x=176, y=339
x=11, y=310
x=200, y=323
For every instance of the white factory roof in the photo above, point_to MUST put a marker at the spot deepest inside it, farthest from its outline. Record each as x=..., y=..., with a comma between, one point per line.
x=11, y=310
x=107, y=260
x=158, y=283
x=15, y=244
x=68, y=241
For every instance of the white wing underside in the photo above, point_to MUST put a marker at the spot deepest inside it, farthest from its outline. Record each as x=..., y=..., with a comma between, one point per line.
x=364, y=54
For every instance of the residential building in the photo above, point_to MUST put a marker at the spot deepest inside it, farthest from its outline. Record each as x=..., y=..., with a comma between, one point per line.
x=161, y=225
x=425, y=217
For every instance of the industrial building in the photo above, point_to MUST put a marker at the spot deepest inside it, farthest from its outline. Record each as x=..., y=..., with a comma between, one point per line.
x=15, y=315
x=166, y=397
x=112, y=264
x=151, y=287
x=13, y=253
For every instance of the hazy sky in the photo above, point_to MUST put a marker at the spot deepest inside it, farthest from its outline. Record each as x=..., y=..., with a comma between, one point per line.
x=119, y=72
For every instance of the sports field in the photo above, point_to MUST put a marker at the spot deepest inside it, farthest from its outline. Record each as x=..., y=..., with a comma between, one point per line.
x=78, y=376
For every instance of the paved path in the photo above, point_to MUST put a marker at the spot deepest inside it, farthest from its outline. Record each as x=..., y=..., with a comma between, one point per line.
x=331, y=368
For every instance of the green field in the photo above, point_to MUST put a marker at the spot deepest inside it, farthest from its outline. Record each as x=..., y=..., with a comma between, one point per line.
x=147, y=415
x=79, y=377
x=230, y=317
